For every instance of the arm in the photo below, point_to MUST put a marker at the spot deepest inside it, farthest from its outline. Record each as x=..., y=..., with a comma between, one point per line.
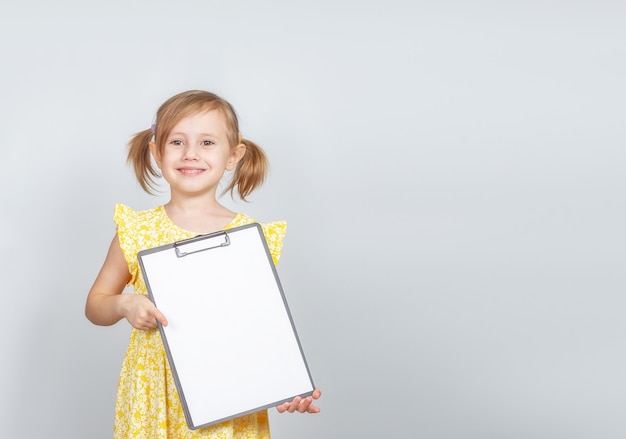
x=106, y=305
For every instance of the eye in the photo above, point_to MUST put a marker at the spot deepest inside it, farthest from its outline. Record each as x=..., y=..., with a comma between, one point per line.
x=207, y=143
x=176, y=142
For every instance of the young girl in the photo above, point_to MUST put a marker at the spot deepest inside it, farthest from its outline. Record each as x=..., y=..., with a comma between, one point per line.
x=194, y=141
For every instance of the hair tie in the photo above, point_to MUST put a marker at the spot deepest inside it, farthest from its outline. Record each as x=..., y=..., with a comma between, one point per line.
x=239, y=138
x=153, y=128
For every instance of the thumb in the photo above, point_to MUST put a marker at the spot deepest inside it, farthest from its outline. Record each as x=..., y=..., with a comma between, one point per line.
x=160, y=317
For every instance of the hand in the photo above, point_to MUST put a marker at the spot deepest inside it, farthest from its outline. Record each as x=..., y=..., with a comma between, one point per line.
x=141, y=312
x=301, y=405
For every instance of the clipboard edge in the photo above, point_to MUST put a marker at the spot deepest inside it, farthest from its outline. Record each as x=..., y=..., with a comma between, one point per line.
x=181, y=396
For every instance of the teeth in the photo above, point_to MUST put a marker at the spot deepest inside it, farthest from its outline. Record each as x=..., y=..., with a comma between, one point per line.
x=191, y=171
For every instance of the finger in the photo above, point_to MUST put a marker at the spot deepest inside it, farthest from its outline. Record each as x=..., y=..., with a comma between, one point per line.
x=143, y=327
x=313, y=409
x=149, y=323
x=316, y=393
x=304, y=405
x=159, y=317
x=294, y=404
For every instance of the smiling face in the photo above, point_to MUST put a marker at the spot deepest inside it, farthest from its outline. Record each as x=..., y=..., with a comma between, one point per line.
x=196, y=153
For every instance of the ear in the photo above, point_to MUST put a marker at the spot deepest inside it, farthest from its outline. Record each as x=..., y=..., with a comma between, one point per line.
x=156, y=155
x=235, y=156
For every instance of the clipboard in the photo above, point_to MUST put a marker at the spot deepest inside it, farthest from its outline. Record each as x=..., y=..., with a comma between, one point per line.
x=230, y=340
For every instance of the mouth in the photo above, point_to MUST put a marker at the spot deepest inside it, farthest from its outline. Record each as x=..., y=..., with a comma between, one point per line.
x=190, y=171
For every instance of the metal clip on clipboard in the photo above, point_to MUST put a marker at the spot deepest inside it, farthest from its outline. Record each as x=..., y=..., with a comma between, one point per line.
x=193, y=245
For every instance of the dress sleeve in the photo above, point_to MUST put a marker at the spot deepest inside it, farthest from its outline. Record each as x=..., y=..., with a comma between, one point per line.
x=274, y=233
x=127, y=222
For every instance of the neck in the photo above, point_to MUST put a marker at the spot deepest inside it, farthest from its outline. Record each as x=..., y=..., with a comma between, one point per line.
x=198, y=214
x=193, y=204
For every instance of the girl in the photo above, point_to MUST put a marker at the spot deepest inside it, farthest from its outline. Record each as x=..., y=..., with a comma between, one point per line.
x=194, y=141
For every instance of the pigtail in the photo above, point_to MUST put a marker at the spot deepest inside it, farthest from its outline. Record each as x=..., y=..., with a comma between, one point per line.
x=141, y=160
x=250, y=171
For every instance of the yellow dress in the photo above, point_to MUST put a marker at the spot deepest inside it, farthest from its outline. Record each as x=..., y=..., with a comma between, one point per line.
x=147, y=405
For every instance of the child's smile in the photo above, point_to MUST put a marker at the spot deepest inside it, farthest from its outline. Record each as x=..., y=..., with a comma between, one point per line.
x=190, y=172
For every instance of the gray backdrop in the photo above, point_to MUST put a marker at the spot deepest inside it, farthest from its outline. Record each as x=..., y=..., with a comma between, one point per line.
x=451, y=173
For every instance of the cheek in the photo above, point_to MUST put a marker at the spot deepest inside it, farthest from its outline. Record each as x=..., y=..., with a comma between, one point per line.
x=168, y=157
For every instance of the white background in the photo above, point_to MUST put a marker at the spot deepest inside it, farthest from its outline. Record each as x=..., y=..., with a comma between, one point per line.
x=452, y=174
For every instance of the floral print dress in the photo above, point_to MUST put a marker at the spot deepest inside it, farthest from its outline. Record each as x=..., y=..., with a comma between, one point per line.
x=147, y=404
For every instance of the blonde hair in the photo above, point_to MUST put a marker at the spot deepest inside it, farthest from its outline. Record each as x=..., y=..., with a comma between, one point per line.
x=250, y=171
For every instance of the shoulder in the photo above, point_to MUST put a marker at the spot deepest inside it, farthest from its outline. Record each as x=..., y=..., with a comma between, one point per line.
x=124, y=214
x=272, y=228
x=274, y=233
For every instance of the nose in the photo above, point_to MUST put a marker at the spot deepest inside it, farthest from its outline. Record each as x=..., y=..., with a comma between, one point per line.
x=190, y=152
